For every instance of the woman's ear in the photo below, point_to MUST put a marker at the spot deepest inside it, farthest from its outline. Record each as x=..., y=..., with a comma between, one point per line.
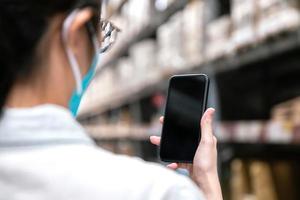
x=78, y=23
x=77, y=39
x=77, y=27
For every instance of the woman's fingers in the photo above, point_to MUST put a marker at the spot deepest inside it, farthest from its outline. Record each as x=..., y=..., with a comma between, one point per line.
x=155, y=140
x=186, y=166
x=173, y=166
x=206, y=125
x=161, y=120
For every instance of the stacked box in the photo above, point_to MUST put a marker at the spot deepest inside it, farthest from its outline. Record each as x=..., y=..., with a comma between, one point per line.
x=193, y=17
x=164, y=54
x=144, y=60
x=109, y=8
x=262, y=181
x=277, y=16
x=224, y=131
x=248, y=131
x=288, y=113
x=126, y=71
x=244, y=19
x=239, y=181
x=99, y=90
x=240, y=131
x=163, y=4
x=277, y=132
x=170, y=44
x=218, y=34
x=106, y=84
x=139, y=13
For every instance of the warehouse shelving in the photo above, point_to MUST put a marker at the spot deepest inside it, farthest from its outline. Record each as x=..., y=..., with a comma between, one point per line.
x=257, y=132
x=258, y=52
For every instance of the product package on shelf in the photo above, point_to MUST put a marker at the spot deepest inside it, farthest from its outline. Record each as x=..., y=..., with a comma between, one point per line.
x=125, y=15
x=239, y=181
x=139, y=14
x=105, y=86
x=125, y=119
x=127, y=148
x=276, y=132
x=288, y=114
x=277, y=16
x=109, y=8
x=144, y=59
x=163, y=4
x=240, y=131
x=193, y=30
x=170, y=44
x=262, y=181
x=272, y=131
x=98, y=91
x=244, y=19
x=126, y=71
x=218, y=34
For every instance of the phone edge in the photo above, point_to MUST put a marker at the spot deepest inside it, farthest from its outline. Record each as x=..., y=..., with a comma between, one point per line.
x=204, y=109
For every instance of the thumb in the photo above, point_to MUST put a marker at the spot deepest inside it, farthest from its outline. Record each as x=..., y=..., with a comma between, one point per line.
x=206, y=125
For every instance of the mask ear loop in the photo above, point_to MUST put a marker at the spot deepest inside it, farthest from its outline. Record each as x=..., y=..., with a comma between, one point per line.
x=71, y=57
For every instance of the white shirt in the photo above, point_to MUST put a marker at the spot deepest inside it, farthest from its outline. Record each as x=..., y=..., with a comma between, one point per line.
x=46, y=155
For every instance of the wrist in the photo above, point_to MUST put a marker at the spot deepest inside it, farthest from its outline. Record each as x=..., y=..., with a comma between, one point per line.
x=209, y=183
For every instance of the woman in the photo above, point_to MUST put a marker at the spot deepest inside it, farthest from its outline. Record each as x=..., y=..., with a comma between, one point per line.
x=49, y=50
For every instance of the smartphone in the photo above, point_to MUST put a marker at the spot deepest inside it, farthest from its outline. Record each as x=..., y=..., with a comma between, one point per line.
x=185, y=105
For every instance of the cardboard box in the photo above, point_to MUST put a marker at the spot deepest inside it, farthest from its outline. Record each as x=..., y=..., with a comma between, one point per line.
x=244, y=19
x=262, y=181
x=144, y=60
x=218, y=34
x=277, y=16
x=193, y=32
x=170, y=44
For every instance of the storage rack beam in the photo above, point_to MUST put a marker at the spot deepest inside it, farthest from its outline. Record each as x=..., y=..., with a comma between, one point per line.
x=260, y=151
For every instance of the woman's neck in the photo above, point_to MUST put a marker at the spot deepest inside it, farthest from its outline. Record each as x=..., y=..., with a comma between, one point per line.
x=30, y=95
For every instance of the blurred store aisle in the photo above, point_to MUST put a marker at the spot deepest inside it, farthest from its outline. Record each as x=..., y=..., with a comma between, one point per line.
x=250, y=48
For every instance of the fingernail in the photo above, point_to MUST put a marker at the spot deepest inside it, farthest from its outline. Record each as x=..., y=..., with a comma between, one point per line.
x=172, y=165
x=212, y=110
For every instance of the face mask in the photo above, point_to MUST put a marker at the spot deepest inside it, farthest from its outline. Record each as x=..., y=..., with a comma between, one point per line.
x=76, y=97
x=81, y=83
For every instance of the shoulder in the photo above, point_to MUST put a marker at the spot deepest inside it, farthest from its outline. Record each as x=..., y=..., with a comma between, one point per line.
x=93, y=172
x=136, y=176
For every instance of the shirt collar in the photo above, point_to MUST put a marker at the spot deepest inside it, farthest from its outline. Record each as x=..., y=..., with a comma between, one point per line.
x=40, y=125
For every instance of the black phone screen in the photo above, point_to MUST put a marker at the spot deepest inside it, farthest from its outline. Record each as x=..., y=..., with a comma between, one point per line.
x=185, y=105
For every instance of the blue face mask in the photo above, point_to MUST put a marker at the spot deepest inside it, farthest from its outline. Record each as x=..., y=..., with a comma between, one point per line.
x=81, y=83
x=76, y=97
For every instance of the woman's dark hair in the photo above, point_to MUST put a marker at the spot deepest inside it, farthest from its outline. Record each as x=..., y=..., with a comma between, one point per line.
x=22, y=24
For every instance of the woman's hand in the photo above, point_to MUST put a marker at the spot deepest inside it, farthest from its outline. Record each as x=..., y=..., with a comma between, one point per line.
x=204, y=168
